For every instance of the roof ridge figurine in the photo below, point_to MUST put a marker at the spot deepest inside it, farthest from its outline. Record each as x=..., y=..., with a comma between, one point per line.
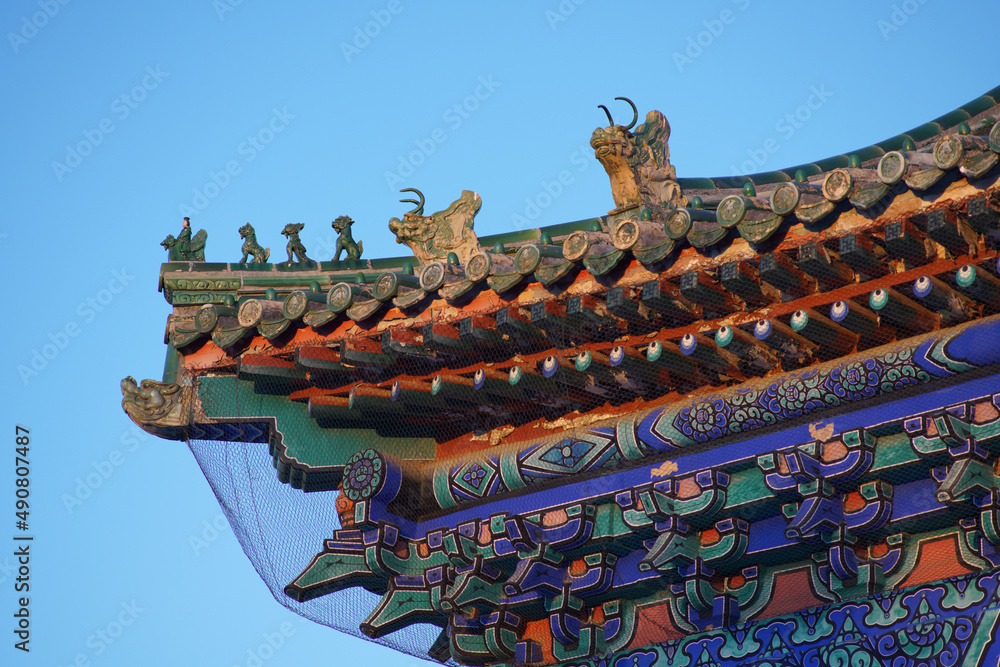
x=251, y=247
x=295, y=246
x=184, y=248
x=158, y=407
x=638, y=163
x=434, y=237
x=345, y=242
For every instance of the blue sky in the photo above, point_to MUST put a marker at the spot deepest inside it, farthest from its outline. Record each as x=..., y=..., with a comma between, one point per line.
x=123, y=117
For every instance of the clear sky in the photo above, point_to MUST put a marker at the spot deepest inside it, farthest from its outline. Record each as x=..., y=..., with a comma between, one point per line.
x=122, y=117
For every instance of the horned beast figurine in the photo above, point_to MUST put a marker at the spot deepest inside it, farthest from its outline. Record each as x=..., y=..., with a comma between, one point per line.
x=295, y=246
x=433, y=237
x=638, y=163
x=345, y=242
x=251, y=247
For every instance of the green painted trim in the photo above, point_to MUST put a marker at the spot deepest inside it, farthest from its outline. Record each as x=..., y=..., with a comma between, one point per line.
x=305, y=444
x=170, y=365
x=442, y=489
x=628, y=445
x=297, y=279
x=987, y=631
x=509, y=470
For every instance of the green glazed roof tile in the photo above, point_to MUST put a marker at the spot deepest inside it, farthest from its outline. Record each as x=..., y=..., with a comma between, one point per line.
x=570, y=227
x=252, y=267
x=696, y=183
x=387, y=263
x=345, y=265
x=770, y=177
x=809, y=170
x=210, y=266
x=370, y=277
x=917, y=134
x=726, y=182
x=925, y=131
x=979, y=105
x=168, y=267
x=994, y=93
x=893, y=143
x=952, y=118
x=834, y=162
x=274, y=280
x=870, y=153
x=285, y=267
x=510, y=237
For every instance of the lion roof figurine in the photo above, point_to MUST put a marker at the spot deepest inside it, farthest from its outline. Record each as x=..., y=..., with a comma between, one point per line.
x=345, y=242
x=251, y=247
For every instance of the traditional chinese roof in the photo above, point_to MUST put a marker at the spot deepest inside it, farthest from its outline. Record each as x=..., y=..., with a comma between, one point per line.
x=646, y=385
x=578, y=322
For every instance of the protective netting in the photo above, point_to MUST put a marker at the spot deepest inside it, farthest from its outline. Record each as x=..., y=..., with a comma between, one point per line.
x=750, y=350
x=281, y=529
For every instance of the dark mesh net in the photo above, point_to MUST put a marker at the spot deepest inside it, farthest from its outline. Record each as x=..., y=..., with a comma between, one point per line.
x=281, y=529
x=705, y=342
